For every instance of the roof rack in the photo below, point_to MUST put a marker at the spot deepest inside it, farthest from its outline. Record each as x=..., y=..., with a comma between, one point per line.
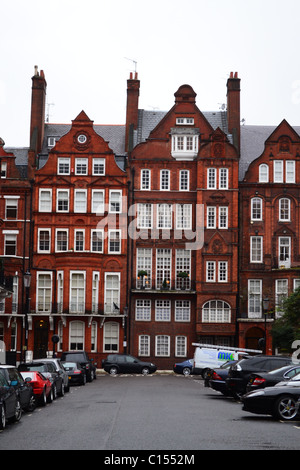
x=233, y=348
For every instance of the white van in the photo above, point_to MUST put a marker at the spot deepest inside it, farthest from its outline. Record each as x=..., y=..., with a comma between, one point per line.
x=210, y=356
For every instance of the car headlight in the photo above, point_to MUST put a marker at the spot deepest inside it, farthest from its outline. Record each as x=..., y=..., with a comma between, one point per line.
x=255, y=393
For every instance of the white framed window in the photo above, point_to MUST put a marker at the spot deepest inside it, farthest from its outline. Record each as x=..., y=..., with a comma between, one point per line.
x=263, y=176
x=183, y=216
x=210, y=271
x=60, y=292
x=162, y=310
x=114, y=241
x=98, y=166
x=211, y=216
x=112, y=293
x=11, y=207
x=51, y=141
x=222, y=271
x=281, y=293
x=95, y=291
x=44, y=240
x=254, y=298
x=216, y=311
x=143, y=264
x=94, y=331
x=256, y=208
x=184, y=146
x=181, y=121
x=14, y=306
x=45, y=200
x=98, y=201
x=80, y=200
x=223, y=217
x=77, y=291
x=296, y=284
x=144, y=215
x=290, y=176
x=97, y=237
x=223, y=178
x=3, y=170
x=211, y=178
x=284, y=251
x=183, y=310
x=10, y=242
x=111, y=333
x=284, y=209
x=61, y=240
x=183, y=265
x=145, y=179
x=184, y=180
x=115, y=201
x=62, y=200
x=163, y=267
x=164, y=216
x=76, y=336
x=143, y=309
x=164, y=180
x=44, y=292
x=278, y=171
x=81, y=166
x=144, y=345
x=256, y=249
x=180, y=346
x=79, y=238
x=162, y=346
x=63, y=166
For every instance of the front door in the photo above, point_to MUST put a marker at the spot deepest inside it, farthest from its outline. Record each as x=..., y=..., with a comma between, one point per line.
x=40, y=339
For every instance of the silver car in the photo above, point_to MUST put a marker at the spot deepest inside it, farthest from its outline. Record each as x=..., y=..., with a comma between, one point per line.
x=59, y=368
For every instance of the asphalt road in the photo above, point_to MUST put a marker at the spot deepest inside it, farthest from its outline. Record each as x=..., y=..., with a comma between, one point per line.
x=168, y=412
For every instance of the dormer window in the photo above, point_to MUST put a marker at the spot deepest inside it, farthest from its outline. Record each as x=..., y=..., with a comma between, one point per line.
x=183, y=121
x=51, y=141
x=3, y=169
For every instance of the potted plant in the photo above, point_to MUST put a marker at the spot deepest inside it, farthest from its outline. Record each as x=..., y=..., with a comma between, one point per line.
x=182, y=274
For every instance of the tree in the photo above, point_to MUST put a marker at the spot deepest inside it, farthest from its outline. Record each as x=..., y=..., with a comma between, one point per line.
x=286, y=329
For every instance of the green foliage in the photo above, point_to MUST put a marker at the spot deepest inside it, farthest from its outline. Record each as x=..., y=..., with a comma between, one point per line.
x=286, y=329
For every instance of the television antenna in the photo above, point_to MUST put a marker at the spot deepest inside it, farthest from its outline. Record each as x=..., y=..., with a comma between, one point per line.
x=133, y=61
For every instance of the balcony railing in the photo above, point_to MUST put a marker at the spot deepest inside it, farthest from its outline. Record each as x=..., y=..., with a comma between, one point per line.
x=178, y=284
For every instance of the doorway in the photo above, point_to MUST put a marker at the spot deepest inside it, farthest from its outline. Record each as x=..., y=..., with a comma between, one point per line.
x=252, y=337
x=40, y=339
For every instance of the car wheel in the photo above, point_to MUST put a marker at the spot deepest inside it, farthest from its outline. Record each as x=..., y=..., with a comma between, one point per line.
x=186, y=371
x=84, y=379
x=18, y=412
x=62, y=390
x=286, y=408
x=54, y=392
x=113, y=370
x=43, y=398
x=50, y=397
x=32, y=404
x=145, y=371
x=2, y=418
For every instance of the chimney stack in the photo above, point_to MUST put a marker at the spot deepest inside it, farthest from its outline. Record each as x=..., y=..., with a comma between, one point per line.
x=133, y=91
x=233, y=109
x=38, y=108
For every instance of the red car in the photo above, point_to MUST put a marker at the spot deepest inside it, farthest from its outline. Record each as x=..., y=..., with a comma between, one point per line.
x=42, y=388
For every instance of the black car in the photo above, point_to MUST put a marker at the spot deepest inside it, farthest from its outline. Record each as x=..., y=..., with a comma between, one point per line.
x=269, y=379
x=48, y=369
x=281, y=401
x=125, y=363
x=239, y=373
x=217, y=378
x=75, y=372
x=86, y=363
x=10, y=406
x=23, y=389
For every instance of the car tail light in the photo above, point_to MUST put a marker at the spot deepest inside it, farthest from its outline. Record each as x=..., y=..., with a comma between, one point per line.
x=216, y=376
x=258, y=381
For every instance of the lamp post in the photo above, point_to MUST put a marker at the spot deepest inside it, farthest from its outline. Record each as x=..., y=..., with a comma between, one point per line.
x=27, y=281
x=266, y=303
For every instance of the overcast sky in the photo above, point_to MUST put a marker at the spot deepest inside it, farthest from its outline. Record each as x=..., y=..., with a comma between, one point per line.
x=84, y=47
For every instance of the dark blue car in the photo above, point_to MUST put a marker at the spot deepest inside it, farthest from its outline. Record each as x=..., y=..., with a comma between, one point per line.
x=185, y=367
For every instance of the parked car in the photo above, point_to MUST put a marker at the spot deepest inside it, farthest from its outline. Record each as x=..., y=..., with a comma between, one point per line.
x=59, y=368
x=217, y=378
x=87, y=364
x=125, y=363
x=281, y=401
x=23, y=389
x=239, y=373
x=42, y=387
x=10, y=406
x=48, y=370
x=75, y=372
x=185, y=367
x=269, y=379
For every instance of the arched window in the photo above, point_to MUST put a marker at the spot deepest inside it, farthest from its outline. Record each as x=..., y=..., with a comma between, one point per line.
x=216, y=311
x=263, y=173
x=284, y=209
x=256, y=208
